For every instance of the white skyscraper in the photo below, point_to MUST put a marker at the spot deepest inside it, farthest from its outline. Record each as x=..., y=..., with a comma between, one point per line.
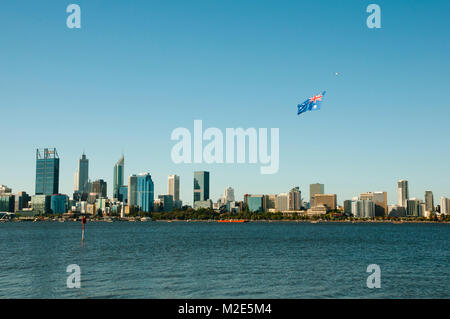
x=445, y=205
x=403, y=193
x=229, y=194
x=282, y=202
x=174, y=186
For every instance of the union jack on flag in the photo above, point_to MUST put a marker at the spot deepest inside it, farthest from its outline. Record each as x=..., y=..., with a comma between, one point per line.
x=311, y=104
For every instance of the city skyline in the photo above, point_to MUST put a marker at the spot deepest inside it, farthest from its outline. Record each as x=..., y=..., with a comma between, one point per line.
x=173, y=185
x=244, y=70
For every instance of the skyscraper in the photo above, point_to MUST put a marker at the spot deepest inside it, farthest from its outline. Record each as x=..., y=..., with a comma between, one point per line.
x=47, y=171
x=313, y=190
x=173, y=184
x=445, y=205
x=229, y=194
x=201, y=186
x=132, y=191
x=380, y=200
x=403, y=193
x=429, y=201
x=118, y=181
x=82, y=175
x=145, y=192
x=295, y=202
x=413, y=208
x=99, y=187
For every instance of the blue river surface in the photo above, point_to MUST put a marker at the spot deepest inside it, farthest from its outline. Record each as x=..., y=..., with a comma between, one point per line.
x=224, y=260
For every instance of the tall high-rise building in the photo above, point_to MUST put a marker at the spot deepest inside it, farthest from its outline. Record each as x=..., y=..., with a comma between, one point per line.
x=429, y=201
x=173, y=184
x=380, y=200
x=295, y=199
x=47, y=171
x=282, y=202
x=403, y=192
x=313, y=190
x=82, y=175
x=145, y=192
x=118, y=181
x=132, y=191
x=99, y=187
x=229, y=194
x=445, y=206
x=201, y=186
x=414, y=208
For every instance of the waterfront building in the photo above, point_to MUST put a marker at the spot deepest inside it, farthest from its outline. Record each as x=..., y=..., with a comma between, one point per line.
x=173, y=184
x=295, y=199
x=178, y=204
x=317, y=210
x=119, y=170
x=47, y=171
x=347, y=207
x=166, y=202
x=402, y=192
x=313, y=190
x=59, y=204
x=145, y=192
x=99, y=187
x=445, y=206
x=201, y=186
x=396, y=211
x=255, y=203
x=429, y=201
x=132, y=191
x=413, y=208
x=40, y=204
x=363, y=208
x=229, y=194
x=270, y=203
x=380, y=200
x=7, y=202
x=203, y=204
x=328, y=200
x=282, y=202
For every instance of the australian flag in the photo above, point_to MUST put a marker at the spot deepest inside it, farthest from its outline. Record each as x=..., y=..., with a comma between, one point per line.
x=311, y=104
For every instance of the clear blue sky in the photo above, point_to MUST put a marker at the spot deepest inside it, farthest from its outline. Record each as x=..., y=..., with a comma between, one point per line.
x=138, y=69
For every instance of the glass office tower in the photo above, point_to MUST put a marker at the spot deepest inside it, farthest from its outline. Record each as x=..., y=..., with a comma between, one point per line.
x=201, y=186
x=47, y=171
x=145, y=192
x=118, y=181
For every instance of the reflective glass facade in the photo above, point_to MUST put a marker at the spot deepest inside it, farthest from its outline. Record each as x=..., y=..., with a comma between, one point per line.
x=145, y=193
x=201, y=186
x=47, y=172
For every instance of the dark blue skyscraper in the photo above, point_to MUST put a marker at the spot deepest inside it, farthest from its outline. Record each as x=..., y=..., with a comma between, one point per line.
x=145, y=192
x=201, y=186
x=47, y=171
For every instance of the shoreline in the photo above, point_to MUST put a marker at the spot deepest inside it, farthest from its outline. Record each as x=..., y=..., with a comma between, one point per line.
x=147, y=219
